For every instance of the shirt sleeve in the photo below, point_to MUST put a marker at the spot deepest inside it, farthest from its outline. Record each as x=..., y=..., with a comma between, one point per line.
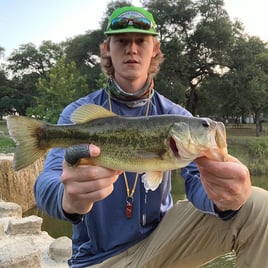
x=48, y=189
x=197, y=195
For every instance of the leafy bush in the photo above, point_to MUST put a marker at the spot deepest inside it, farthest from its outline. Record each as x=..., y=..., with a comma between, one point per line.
x=258, y=149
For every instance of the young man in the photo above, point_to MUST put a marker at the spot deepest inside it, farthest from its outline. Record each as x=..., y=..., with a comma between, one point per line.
x=116, y=222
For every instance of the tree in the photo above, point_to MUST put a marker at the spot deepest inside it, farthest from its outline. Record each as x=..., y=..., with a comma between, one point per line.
x=84, y=49
x=242, y=90
x=63, y=85
x=249, y=75
x=195, y=37
x=258, y=93
x=25, y=92
x=6, y=95
x=27, y=65
x=2, y=51
x=29, y=59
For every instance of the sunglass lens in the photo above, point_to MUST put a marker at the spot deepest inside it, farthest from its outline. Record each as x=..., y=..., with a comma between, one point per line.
x=119, y=23
x=142, y=23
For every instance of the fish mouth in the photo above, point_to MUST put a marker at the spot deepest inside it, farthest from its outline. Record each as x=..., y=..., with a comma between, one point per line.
x=220, y=135
x=220, y=139
x=186, y=145
x=218, y=150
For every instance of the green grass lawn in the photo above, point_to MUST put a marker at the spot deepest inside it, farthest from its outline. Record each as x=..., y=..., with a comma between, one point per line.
x=6, y=144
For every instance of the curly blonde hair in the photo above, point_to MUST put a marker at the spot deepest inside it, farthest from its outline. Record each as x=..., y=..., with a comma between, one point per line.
x=107, y=65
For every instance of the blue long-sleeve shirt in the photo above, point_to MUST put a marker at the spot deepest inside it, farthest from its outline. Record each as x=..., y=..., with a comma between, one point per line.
x=105, y=231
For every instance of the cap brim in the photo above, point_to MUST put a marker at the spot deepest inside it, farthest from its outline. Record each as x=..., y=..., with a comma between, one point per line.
x=131, y=30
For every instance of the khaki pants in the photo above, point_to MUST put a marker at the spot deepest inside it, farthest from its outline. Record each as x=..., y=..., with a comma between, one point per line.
x=189, y=238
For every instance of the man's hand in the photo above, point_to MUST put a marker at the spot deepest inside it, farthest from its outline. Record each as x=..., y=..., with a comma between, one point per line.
x=227, y=184
x=84, y=185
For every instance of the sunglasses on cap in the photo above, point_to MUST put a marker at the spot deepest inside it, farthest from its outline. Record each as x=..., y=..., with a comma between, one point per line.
x=138, y=23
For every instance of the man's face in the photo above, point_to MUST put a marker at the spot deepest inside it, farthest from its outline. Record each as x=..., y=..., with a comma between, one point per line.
x=131, y=55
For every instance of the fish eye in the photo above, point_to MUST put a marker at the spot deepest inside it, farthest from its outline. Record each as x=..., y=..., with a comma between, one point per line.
x=205, y=123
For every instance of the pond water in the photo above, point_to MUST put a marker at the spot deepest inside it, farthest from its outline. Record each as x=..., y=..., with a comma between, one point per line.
x=57, y=228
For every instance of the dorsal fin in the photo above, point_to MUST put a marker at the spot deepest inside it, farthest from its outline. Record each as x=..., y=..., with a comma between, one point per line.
x=89, y=112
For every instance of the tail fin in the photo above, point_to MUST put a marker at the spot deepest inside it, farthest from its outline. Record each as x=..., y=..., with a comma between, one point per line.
x=26, y=133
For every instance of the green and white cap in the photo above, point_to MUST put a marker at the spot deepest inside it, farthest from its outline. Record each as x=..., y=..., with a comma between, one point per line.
x=131, y=19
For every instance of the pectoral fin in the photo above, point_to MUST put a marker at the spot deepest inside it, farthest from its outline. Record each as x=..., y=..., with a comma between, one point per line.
x=152, y=180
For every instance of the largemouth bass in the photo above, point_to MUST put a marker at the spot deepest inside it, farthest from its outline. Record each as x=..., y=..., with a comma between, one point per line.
x=151, y=144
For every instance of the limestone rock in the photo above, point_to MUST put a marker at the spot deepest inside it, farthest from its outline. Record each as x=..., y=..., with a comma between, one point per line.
x=2, y=231
x=23, y=244
x=60, y=249
x=17, y=186
x=19, y=253
x=9, y=209
x=27, y=225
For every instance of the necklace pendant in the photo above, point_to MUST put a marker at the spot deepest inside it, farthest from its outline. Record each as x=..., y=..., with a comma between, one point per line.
x=129, y=207
x=129, y=210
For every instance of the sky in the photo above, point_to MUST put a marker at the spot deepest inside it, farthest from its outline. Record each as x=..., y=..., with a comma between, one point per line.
x=32, y=21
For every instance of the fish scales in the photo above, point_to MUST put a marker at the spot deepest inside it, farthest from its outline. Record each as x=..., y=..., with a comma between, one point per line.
x=120, y=131
x=119, y=138
x=130, y=143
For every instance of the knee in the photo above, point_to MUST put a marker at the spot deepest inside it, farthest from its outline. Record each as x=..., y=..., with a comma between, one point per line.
x=257, y=203
x=259, y=195
x=251, y=226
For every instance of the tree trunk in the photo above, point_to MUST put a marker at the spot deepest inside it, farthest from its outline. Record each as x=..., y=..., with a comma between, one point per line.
x=258, y=123
x=192, y=99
